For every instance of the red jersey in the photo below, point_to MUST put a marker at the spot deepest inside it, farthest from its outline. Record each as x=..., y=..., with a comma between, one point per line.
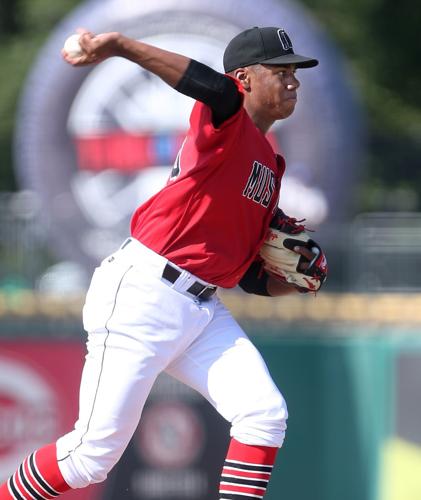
x=212, y=215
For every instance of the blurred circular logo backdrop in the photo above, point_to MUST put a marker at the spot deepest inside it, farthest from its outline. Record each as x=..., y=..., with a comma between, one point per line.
x=95, y=142
x=29, y=413
x=171, y=435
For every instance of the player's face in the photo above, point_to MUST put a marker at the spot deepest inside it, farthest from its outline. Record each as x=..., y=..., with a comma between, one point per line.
x=273, y=90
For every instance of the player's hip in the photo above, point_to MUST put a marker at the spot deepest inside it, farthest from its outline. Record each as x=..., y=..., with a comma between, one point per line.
x=129, y=295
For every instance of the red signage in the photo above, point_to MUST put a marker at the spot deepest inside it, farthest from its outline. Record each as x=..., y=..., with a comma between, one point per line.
x=39, y=382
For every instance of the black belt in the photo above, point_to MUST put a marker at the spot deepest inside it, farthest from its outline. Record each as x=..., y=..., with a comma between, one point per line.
x=198, y=289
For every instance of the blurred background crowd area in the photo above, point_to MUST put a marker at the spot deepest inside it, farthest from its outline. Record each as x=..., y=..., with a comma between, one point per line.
x=373, y=247
x=81, y=148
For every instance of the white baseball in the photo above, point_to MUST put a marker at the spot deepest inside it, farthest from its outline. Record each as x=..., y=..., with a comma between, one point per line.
x=72, y=46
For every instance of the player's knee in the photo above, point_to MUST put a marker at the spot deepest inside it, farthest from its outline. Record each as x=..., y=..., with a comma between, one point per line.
x=264, y=424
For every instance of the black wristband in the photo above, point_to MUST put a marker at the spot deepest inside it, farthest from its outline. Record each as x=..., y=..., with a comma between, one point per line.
x=255, y=280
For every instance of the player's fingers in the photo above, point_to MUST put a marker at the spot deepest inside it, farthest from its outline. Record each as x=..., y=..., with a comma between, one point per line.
x=305, y=252
x=308, y=255
x=85, y=41
x=82, y=31
x=76, y=61
x=67, y=58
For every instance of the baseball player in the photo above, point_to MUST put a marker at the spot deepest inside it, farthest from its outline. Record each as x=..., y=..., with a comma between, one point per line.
x=153, y=305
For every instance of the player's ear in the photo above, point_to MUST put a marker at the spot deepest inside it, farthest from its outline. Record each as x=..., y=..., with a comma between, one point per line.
x=243, y=76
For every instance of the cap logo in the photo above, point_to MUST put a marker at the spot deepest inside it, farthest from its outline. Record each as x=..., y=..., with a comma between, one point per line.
x=285, y=40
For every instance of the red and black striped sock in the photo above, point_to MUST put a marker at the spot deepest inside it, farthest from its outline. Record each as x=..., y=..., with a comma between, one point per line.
x=38, y=477
x=246, y=471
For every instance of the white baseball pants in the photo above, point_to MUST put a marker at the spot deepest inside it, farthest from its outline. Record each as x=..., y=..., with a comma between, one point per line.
x=139, y=325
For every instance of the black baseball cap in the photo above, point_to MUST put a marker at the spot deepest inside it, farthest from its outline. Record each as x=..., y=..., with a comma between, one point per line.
x=267, y=45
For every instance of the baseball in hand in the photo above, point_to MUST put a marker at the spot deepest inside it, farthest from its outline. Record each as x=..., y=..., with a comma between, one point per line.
x=72, y=46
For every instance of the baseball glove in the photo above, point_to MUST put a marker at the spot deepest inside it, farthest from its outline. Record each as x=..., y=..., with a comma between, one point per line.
x=280, y=260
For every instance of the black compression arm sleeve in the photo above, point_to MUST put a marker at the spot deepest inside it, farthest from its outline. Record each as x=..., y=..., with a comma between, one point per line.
x=255, y=280
x=212, y=88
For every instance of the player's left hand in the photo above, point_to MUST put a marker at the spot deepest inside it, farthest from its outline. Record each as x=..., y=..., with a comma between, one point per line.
x=313, y=263
x=308, y=255
x=292, y=256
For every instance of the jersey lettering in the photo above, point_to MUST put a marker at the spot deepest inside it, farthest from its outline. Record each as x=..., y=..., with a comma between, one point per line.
x=269, y=190
x=265, y=175
x=260, y=184
x=176, y=169
x=253, y=179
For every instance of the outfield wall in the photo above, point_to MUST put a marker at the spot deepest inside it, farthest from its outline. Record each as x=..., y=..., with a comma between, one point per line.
x=353, y=389
x=355, y=414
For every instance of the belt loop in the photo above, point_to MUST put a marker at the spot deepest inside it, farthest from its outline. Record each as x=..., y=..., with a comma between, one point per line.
x=129, y=240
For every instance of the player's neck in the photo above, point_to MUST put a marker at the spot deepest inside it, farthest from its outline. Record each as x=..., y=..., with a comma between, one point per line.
x=261, y=122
